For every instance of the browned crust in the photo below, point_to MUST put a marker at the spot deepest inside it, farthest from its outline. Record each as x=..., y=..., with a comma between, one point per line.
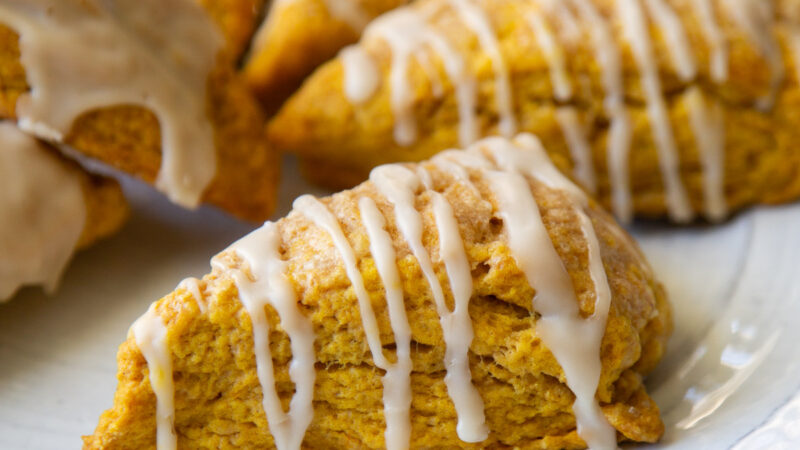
x=761, y=163
x=128, y=137
x=218, y=396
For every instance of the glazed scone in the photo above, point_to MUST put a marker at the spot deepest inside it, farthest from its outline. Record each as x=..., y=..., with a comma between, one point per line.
x=147, y=87
x=661, y=108
x=433, y=306
x=299, y=35
x=49, y=208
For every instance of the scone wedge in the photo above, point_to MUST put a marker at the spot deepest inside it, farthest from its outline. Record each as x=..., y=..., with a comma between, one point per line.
x=477, y=300
x=662, y=108
x=147, y=87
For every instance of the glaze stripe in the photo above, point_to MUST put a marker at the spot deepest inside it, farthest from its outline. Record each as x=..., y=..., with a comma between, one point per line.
x=397, y=389
x=400, y=187
x=607, y=53
x=579, y=147
x=397, y=382
x=636, y=32
x=708, y=123
x=671, y=27
x=756, y=18
x=192, y=286
x=268, y=284
x=716, y=39
x=571, y=339
x=150, y=335
x=255, y=265
x=475, y=18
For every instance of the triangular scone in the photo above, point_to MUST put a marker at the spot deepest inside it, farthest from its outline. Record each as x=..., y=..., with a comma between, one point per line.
x=299, y=35
x=661, y=107
x=49, y=208
x=130, y=84
x=480, y=273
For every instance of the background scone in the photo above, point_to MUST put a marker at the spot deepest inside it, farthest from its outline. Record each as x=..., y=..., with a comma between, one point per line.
x=299, y=35
x=660, y=107
x=146, y=86
x=447, y=294
x=49, y=208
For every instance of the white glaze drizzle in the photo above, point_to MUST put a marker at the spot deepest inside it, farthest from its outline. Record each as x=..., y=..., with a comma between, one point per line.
x=268, y=285
x=150, y=335
x=425, y=176
x=555, y=299
x=397, y=382
x=361, y=77
x=455, y=163
x=43, y=212
x=459, y=379
x=794, y=43
x=597, y=429
x=423, y=58
x=607, y=54
x=84, y=55
x=448, y=166
x=568, y=24
x=756, y=18
x=715, y=37
x=635, y=29
x=579, y=147
x=573, y=340
x=407, y=34
x=399, y=185
x=465, y=160
x=708, y=125
x=675, y=35
x=401, y=40
x=553, y=53
x=476, y=19
x=192, y=286
x=397, y=390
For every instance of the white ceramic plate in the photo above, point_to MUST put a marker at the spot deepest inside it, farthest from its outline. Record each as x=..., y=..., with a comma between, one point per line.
x=730, y=378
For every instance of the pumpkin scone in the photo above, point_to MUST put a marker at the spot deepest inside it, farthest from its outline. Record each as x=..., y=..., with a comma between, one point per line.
x=296, y=36
x=148, y=87
x=662, y=108
x=49, y=208
x=476, y=300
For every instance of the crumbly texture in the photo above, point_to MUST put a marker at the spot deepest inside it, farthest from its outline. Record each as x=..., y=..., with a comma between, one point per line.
x=527, y=404
x=300, y=35
x=340, y=142
x=129, y=137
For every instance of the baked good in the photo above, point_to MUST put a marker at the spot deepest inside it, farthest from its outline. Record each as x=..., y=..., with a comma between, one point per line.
x=659, y=107
x=49, y=208
x=296, y=36
x=432, y=306
x=146, y=86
